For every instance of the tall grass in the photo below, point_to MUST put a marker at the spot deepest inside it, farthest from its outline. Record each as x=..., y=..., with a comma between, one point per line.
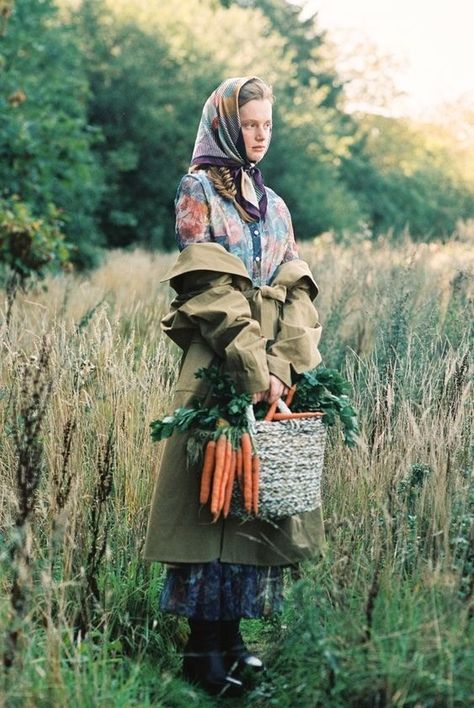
x=384, y=617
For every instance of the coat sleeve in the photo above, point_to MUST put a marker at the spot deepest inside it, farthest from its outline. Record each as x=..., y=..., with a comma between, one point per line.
x=212, y=306
x=209, y=301
x=295, y=348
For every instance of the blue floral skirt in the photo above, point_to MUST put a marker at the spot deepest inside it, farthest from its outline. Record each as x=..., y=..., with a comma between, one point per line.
x=222, y=591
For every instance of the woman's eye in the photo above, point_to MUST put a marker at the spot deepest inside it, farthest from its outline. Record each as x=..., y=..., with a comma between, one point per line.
x=267, y=126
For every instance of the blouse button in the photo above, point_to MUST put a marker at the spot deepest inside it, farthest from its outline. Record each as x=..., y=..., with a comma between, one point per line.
x=257, y=259
x=256, y=232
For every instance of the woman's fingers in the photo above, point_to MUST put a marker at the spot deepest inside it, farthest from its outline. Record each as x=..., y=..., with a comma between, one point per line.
x=260, y=396
x=276, y=389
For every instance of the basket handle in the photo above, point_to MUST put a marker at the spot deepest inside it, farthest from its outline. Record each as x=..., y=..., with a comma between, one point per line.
x=281, y=405
x=277, y=405
x=284, y=412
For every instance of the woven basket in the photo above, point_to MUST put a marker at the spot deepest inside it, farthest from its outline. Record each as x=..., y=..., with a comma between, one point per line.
x=291, y=456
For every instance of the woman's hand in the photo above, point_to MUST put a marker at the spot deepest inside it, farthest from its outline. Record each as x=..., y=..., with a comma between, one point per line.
x=276, y=389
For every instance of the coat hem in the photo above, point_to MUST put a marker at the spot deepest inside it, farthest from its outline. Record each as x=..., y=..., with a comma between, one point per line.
x=257, y=562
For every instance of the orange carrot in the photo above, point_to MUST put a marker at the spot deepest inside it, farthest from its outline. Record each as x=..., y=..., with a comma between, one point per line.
x=271, y=411
x=290, y=395
x=238, y=469
x=255, y=482
x=230, y=484
x=294, y=416
x=221, y=448
x=207, y=470
x=246, y=445
x=225, y=476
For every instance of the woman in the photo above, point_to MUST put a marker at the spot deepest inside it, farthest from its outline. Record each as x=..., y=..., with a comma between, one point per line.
x=244, y=300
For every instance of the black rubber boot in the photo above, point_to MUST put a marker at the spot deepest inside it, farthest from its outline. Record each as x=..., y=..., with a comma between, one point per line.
x=203, y=661
x=238, y=660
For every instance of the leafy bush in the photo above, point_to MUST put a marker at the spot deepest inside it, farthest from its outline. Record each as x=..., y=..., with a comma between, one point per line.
x=29, y=245
x=45, y=140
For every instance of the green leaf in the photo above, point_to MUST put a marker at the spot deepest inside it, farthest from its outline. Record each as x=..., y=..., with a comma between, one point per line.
x=325, y=390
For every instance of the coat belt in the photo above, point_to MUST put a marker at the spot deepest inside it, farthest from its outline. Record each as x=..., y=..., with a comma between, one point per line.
x=262, y=301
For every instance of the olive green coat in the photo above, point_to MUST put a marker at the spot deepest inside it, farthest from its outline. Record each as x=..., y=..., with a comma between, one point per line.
x=218, y=316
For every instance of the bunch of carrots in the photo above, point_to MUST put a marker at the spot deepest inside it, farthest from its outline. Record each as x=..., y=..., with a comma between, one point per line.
x=222, y=466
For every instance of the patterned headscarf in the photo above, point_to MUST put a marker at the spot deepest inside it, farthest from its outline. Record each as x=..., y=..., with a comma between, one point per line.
x=220, y=142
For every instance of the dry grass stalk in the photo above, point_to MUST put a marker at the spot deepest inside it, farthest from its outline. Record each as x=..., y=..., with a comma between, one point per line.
x=90, y=605
x=29, y=417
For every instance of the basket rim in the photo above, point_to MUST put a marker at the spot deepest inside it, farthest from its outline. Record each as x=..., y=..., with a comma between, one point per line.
x=308, y=419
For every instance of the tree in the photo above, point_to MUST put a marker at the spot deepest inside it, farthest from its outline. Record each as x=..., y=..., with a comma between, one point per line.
x=46, y=159
x=406, y=181
x=312, y=131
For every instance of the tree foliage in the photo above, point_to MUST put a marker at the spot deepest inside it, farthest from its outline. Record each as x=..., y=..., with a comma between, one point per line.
x=30, y=245
x=405, y=182
x=46, y=156
x=146, y=101
x=100, y=102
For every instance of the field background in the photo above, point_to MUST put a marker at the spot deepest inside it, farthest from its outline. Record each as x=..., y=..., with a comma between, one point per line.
x=384, y=618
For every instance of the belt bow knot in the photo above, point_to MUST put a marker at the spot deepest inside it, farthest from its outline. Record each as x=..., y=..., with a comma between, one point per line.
x=263, y=299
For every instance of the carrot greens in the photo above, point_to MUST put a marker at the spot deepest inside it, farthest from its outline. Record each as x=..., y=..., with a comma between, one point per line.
x=227, y=408
x=325, y=390
x=320, y=389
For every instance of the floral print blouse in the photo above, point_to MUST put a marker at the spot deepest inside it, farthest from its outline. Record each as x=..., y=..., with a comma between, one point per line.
x=203, y=215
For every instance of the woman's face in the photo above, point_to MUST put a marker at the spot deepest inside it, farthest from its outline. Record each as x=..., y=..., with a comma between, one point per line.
x=256, y=122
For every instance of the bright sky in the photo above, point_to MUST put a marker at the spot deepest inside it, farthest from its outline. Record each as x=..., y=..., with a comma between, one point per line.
x=433, y=39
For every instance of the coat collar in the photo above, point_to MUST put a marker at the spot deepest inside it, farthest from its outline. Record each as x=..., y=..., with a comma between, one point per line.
x=214, y=258
x=205, y=256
